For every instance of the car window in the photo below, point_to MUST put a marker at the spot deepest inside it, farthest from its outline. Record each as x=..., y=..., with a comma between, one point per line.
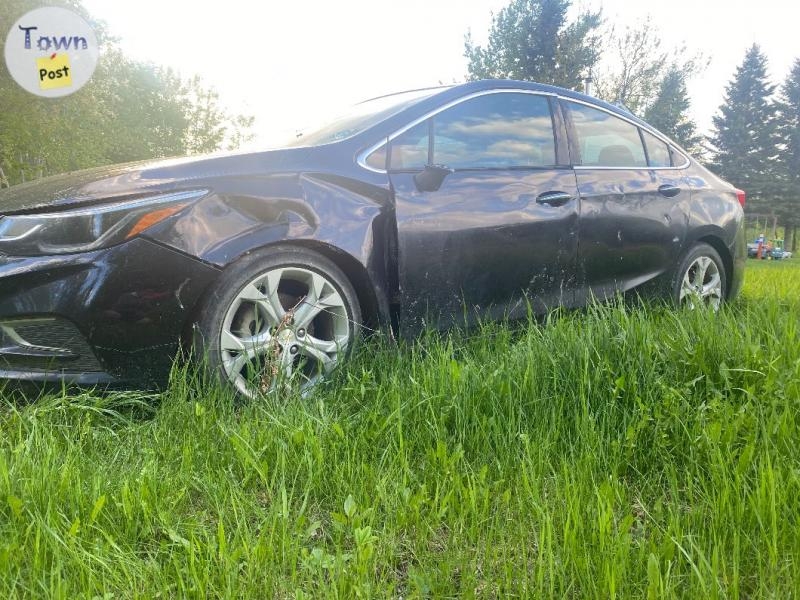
x=605, y=140
x=409, y=150
x=495, y=131
x=657, y=151
x=377, y=160
x=678, y=158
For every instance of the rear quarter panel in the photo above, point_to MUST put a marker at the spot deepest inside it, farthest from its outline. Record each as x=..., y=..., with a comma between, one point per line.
x=715, y=214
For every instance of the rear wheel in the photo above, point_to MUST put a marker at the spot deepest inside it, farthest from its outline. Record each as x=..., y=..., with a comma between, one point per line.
x=278, y=319
x=700, y=279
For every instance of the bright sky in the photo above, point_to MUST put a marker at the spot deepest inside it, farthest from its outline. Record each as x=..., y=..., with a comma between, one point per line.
x=292, y=63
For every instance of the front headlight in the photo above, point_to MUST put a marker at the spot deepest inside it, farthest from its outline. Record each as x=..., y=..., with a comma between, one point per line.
x=87, y=228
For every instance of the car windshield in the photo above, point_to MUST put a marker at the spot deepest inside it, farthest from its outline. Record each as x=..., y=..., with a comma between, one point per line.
x=360, y=117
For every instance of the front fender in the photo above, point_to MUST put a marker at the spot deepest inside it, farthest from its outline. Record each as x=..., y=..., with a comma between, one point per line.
x=348, y=220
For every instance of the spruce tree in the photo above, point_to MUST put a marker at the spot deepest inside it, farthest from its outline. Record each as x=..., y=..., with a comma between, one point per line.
x=789, y=158
x=745, y=134
x=669, y=111
x=531, y=40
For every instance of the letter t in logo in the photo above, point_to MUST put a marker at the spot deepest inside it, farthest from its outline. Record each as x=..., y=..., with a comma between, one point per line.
x=27, y=31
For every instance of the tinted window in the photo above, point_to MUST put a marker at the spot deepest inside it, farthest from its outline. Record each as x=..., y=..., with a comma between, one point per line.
x=678, y=159
x=657, y=151
x=409, y=150
x=377, y=160
x=605, y=140
x=495, y=131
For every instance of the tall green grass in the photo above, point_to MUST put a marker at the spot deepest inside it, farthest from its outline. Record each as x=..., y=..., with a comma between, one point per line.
x=615, y=452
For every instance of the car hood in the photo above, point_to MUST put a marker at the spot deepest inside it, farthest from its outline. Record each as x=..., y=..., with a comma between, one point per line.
x=90, y=186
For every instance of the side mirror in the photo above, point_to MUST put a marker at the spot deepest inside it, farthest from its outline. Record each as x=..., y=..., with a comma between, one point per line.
x=431, y=178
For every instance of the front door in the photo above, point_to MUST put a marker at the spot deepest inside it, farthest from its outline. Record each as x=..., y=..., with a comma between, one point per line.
x=498, y=234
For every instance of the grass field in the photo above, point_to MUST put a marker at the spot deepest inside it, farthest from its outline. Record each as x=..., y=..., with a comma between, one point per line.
x=620, y=452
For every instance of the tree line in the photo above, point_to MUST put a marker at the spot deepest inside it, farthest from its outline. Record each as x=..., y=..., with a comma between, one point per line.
x=132, y=110
x=129, y=111
x=755, y=141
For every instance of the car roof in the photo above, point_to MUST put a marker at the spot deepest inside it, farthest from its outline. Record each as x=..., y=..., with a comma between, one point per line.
x=457, y=90
x=498, y=84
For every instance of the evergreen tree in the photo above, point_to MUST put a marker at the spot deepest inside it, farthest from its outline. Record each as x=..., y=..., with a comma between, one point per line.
x=789, y=158
x=745, y=133
x=669, y=111
x=531, y=40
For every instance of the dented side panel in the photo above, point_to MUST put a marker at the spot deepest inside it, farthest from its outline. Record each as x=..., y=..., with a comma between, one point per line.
x=629, y=232
x=345, y=217
x=482, y=247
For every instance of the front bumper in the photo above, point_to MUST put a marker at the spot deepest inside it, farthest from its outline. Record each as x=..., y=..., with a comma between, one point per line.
x=104, y=317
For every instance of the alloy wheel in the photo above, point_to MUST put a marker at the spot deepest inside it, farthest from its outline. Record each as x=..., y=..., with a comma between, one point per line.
x=702, y=284
x=286, y=328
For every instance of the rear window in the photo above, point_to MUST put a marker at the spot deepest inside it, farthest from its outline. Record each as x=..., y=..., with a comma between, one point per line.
x=678, y=158
x=605, y=140
x=658, y=154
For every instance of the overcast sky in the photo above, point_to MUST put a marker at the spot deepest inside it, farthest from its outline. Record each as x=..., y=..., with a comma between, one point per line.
x=292, y=63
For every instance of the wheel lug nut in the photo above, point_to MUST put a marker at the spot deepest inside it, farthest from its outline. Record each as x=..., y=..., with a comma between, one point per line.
x=301, y=332
x=293, y=350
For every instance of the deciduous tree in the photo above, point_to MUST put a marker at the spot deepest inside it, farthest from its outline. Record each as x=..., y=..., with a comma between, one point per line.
x=130, y=110
x=635, y=64
x=650, y=81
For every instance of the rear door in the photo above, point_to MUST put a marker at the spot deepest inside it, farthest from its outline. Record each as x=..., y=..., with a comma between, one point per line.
x=500, y=231
x=633, y=201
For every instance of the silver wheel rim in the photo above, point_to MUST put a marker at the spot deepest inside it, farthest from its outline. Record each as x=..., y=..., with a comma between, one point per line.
x=287, y=328
x=702, y=284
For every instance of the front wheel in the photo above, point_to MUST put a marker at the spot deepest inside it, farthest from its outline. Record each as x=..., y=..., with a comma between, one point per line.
x=700, y=279
x=278, y=318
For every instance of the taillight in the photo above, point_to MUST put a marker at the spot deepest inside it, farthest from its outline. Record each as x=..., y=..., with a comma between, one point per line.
x=740, y=195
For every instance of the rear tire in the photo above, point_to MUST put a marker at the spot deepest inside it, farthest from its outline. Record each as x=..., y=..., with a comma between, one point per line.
x=277, y=319
x=700, y=279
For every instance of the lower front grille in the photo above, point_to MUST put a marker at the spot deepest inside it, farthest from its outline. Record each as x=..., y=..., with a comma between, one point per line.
x=45, y=344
